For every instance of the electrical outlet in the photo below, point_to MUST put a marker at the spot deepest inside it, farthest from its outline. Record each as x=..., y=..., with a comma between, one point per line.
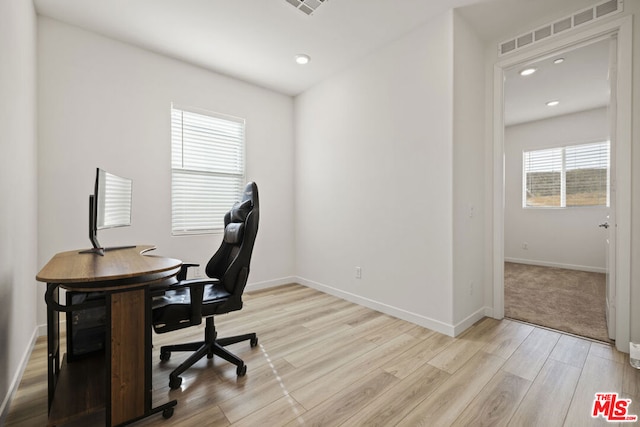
x=358, y=273
x=525, y=245
x=197, y=272
x=471, y=288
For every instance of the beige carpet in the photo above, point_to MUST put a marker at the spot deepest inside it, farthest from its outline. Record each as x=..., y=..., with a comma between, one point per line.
x=566, y=300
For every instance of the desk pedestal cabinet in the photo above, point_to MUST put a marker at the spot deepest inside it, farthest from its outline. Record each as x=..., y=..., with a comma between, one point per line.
x=113, y=386
x=86, y=329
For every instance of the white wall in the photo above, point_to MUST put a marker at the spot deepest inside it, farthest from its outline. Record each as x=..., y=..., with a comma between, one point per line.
x=18, y=192
x=106, y=104
x=468, y=176
x=570, y=237
x=374, y=179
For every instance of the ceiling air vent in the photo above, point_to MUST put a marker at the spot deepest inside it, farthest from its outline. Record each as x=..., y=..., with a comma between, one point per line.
x=590, y=14
x=306, y=6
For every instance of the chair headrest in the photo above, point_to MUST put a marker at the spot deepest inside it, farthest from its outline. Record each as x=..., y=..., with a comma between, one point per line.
x=239, y=211
x=251, y=193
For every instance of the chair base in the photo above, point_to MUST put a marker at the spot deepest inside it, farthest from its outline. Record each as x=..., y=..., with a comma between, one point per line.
x=209, y=347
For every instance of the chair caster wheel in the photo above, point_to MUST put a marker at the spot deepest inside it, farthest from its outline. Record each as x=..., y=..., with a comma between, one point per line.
x=242, y=370
x=165, y=355
x=167, y=413
x=175, y=382
x=253, y=342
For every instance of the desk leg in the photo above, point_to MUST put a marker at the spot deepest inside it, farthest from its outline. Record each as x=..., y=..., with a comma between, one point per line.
x=53, y=345
x=127, y=350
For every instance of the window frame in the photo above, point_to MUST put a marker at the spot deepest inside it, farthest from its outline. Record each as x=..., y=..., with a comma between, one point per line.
x=563, y=175
x=239, y=176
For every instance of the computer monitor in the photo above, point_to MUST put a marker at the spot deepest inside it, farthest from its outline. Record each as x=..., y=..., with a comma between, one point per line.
x=109, y=207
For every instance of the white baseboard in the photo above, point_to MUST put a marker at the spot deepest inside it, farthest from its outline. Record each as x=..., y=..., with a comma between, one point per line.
x=557, y=265
x=15, y=382
x=462, y=326
x=418, y=319
x=41, y=330
x=270, y=283
x=488, y=312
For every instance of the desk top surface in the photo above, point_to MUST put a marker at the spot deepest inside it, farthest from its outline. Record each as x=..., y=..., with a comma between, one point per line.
x=76, y=267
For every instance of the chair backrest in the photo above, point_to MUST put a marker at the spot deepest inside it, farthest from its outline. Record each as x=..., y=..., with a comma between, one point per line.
x=230, y=263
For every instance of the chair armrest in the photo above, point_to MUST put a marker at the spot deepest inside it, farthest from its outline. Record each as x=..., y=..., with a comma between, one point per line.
x=182, y=275
x=196, y=294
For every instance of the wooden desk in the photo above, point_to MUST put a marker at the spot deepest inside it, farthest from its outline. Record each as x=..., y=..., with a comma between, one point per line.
x=115, y=384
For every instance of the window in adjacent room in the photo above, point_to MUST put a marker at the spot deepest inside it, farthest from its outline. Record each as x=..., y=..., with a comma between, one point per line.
x=207, y=169
x=575, y=175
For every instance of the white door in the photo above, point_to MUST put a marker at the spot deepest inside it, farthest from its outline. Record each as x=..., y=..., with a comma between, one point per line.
x=610, y=296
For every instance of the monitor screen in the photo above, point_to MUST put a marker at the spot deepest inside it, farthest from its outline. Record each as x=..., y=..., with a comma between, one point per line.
x=109, y=206
x=113, y=200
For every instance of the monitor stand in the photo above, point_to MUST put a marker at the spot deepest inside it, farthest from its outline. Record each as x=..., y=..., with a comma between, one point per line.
x=100, y=251
x=93, y=233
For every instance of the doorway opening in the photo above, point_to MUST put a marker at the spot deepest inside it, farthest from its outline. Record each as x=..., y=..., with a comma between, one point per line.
x=557, y=144
x=620, y=226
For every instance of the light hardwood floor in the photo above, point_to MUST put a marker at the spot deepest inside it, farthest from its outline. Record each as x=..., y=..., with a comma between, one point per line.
x=323, y=361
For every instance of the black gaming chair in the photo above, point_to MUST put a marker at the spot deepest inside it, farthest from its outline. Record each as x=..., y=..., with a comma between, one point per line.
x=186, y=303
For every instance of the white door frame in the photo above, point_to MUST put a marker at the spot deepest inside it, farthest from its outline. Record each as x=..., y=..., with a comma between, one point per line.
x=621, y=181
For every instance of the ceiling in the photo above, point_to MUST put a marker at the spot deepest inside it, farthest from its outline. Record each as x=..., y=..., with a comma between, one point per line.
x=253, y=40
x=257, y=40
x=579, y=83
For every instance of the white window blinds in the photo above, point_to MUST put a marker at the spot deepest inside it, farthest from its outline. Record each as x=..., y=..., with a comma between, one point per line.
x=207, y=164
x=576, y=175
x=543, y=172
x=587, y=175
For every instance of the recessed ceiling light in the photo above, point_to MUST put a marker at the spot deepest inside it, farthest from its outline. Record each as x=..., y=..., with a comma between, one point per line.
x=553, y=103
x=558, y=61
x=528, y=71
x=302, y=59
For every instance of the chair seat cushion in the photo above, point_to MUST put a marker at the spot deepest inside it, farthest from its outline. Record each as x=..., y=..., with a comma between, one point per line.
x=175, y=305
